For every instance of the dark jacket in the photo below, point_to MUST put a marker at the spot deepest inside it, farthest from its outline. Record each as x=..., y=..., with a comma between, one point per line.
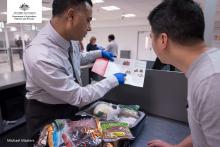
x=91, y=47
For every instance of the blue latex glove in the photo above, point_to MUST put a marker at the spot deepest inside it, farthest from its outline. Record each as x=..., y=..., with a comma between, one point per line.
x=108, y=55
x=120, y=77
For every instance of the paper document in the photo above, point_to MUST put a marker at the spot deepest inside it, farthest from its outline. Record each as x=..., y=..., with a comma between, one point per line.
x=134, y=69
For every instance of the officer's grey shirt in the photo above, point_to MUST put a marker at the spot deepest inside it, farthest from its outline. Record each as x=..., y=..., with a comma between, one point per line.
x=50, y=76
x=113, y=47
x=204, y=99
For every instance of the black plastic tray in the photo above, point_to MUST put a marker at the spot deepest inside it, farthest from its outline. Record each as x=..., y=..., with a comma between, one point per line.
x=135, y=128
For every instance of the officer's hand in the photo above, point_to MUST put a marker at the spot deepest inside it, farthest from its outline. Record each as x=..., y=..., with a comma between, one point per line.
x=120, y=77
x=108, y=55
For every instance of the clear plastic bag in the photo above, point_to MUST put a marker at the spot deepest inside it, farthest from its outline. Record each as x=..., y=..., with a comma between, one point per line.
x=114, y=131
x=68, y=133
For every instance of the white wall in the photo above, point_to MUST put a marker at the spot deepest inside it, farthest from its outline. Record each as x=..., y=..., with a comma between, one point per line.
x=126, y=36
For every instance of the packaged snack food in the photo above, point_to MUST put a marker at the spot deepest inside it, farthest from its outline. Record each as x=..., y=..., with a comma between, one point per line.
x=112, y=112
x=107, y=111
x=114, y=131
x=68, y=133
x=129, y=110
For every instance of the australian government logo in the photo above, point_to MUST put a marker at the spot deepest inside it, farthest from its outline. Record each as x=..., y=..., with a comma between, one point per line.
x=24, y=14
x=24, y=7
x=24, y=11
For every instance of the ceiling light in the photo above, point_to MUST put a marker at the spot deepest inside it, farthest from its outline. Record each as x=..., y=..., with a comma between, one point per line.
x=110, y=8
x=93, y=19
x=33, y=27
x=45, y=19
x=128, y=15
x=4, y=13
x=13, y=29
x=46, y=9
x=97, y=1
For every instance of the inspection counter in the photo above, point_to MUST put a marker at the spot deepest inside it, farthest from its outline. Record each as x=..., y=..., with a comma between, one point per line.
x=163, y=98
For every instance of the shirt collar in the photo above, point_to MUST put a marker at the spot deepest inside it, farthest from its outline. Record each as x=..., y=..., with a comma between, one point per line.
x=49, y=30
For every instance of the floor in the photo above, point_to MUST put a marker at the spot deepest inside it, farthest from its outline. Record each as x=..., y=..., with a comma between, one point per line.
x=154, y=128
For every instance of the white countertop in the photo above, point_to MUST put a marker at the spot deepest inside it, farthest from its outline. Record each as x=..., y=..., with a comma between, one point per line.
x=12, y=79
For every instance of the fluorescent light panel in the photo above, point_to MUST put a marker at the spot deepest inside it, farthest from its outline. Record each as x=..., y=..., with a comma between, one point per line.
x=129, y=15
x=13, y=29
x=45, y=19
x=110, y=8
x=4, y=13
x=97, y=1
x=33, y=27
x=46, y=9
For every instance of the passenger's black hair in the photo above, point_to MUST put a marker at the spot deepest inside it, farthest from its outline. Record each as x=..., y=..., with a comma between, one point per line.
x=182, y=20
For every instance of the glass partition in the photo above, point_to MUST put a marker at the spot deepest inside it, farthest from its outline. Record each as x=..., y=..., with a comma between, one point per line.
x=4, y=60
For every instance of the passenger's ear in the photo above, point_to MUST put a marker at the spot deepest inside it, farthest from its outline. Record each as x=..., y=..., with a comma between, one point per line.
x=163, y=40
